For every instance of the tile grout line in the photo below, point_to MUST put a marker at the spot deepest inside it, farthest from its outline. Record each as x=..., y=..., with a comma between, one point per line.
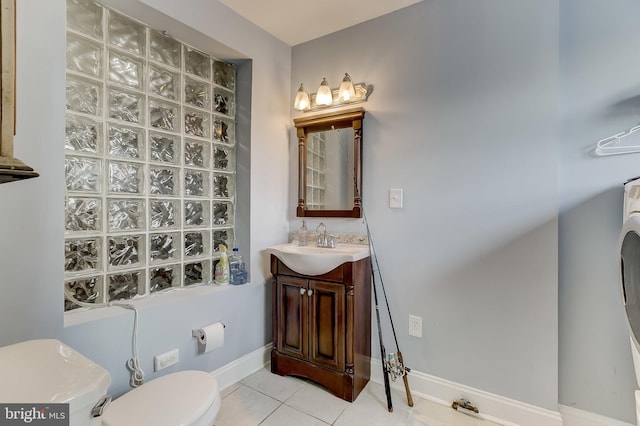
x=290, y=406
x=271, y=413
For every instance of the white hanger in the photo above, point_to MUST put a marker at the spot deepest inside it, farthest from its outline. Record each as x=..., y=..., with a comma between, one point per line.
x=613, y=145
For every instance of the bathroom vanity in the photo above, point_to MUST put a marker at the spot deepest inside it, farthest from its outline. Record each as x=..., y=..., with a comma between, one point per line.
x=322, y=325
x=322, y=293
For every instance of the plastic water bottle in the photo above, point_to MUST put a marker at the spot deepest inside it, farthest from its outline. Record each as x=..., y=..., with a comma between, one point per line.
x=237, y=271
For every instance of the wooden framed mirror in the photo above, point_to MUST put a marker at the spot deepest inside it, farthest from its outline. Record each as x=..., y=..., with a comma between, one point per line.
x=11, y=169
x=330, y=164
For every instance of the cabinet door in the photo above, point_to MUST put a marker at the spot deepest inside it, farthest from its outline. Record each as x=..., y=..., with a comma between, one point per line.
x=327, y=324
x=292, y=308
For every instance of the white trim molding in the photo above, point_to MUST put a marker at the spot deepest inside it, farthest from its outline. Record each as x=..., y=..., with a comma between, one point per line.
x=242, y=367
x=572, y=416
x=496, y=408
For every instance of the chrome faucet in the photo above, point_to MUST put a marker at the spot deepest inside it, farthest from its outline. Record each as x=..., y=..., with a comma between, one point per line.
x=324, y=240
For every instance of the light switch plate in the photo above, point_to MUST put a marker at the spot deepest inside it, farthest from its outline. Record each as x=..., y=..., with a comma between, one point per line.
x=395, y=198
x=415, y=326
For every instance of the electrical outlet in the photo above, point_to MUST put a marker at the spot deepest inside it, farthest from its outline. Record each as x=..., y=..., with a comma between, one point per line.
x=165, y=359
x=415, y=326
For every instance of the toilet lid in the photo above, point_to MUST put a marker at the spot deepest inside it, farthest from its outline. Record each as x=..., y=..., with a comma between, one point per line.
x=177, y=399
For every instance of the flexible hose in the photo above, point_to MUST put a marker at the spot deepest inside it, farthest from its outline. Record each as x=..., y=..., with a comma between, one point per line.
x=133, y=363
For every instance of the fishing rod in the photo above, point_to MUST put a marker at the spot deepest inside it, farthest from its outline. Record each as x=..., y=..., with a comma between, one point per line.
x=383, y=356
x=383, y=353
x=394, y=364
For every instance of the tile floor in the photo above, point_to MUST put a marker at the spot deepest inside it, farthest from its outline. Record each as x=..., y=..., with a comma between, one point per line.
x=267, y=399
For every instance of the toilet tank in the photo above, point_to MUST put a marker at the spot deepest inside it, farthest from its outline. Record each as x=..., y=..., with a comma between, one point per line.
x=48, y=371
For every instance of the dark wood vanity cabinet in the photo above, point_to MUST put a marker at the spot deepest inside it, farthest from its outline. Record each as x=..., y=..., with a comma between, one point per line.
x=322, y=326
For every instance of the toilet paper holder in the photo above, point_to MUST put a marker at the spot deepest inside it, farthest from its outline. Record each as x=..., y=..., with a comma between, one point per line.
x=199, y=333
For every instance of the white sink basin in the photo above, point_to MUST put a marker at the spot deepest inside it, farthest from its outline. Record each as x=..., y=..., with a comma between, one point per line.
x=312, y=260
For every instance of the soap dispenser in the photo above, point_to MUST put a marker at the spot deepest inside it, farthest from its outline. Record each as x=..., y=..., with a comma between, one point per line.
x=303, y=234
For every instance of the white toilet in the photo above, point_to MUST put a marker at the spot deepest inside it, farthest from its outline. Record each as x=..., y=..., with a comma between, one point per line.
x=48, y=371
x=629, y=249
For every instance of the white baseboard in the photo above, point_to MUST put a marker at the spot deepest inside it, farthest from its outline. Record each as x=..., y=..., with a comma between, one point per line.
x=575, y=417
x=496, y=408
x=242, y=367
x=492, y=407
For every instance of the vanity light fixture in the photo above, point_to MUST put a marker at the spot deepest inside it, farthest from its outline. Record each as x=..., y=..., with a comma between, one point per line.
x=326, y=97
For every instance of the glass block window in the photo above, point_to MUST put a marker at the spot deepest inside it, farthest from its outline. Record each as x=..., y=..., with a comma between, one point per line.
x=316, y=155
x=150, y=158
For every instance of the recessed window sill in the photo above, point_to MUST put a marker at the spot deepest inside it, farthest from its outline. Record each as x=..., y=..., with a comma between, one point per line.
x=83, y=315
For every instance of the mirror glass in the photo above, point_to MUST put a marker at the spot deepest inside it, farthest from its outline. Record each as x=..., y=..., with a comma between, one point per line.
x=330, y=164
x=330, y=170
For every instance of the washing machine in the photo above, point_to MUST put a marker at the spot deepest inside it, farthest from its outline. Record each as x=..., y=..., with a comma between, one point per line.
x=629, y=249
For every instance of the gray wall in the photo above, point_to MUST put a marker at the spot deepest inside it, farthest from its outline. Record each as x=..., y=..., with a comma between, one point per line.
x=31, y=213
x=598, y=97
x=463, y=117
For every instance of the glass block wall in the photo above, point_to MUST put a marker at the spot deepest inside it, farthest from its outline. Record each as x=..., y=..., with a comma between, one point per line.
x=316, y=170
x=149, y=158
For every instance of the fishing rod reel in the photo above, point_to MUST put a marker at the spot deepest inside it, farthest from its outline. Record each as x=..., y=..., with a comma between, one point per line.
x=395, y=367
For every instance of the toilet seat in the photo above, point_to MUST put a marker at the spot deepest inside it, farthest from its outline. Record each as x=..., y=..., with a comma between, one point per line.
x=164, y=402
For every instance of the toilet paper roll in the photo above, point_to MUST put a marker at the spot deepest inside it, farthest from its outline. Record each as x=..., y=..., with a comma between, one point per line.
x=210, y=337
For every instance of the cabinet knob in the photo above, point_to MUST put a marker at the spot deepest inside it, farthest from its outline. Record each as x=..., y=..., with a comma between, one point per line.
x=302, y=290
x=310, y=292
